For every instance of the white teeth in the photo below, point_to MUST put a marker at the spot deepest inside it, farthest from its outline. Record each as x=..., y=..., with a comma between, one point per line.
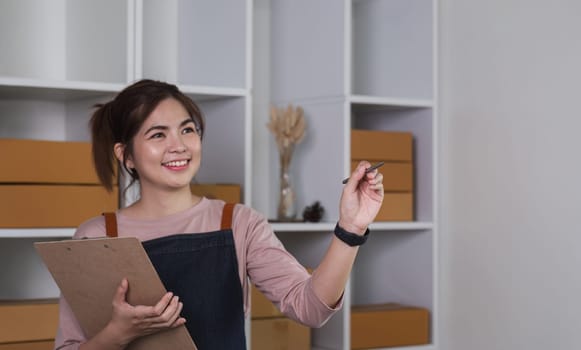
x=177, y=163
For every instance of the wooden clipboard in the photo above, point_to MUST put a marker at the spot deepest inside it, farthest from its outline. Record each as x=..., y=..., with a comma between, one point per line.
x=88, y=272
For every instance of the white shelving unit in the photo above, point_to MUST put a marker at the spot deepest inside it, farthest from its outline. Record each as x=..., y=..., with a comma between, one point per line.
x=353, y=63
x=365, y=64
x=59, y=58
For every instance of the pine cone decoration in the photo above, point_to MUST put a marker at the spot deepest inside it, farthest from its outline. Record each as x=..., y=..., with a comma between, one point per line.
x=314, y=212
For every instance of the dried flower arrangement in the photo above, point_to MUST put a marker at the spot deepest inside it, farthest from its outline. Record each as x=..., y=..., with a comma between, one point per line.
x=288, y=126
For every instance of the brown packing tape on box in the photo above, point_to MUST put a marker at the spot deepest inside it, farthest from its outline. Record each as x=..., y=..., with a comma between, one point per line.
x=32, y=161
x=387, y=325
x=30, y=206
x=229, y=193
x=397, y=176
x=280, y=334
x=397, y=206
x=23, y=321
x=382, y=145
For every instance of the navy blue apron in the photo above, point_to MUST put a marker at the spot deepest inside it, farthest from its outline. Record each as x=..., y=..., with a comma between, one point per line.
x=202, y=269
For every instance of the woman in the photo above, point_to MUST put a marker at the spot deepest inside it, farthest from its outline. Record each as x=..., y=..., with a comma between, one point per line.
x=203, y=249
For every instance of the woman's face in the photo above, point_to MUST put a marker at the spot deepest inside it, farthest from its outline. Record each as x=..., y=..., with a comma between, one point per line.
x=167, y=148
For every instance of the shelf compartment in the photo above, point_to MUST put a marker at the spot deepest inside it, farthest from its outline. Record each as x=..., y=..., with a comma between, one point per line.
x=27, y=277
x=392, y=50
x=307, y=49
x=419, y=122
x=181, y=51
x=224, y=154
x=395, y=268
x=65, y=40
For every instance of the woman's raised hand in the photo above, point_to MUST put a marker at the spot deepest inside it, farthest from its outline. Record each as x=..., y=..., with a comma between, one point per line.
x=361, y=199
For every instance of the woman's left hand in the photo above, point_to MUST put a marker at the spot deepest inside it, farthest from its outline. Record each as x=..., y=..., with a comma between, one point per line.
x=361, y=199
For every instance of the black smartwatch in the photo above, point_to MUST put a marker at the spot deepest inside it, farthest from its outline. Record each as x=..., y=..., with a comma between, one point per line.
x=350, y=238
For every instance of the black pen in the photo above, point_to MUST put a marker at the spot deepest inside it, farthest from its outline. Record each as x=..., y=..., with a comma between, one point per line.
x=371, y=168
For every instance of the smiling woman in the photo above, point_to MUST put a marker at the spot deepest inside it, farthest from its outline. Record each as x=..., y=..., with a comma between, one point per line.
x=166, y=150
x=204, y=250
x=117, y=122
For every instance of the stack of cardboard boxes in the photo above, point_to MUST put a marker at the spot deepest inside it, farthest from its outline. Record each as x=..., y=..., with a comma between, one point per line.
x=44, y=184
x=272, y=330
x=28, y=326
x=388, y=325
x=396, y=150
x=49, y=184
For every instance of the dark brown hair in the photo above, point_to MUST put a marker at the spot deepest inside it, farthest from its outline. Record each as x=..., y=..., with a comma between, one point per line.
x=119, y=120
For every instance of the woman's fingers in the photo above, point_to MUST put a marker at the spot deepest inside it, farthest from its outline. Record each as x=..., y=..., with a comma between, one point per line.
x=376, y=182
x=120, y=293
x=155, y=317
x=163, y=303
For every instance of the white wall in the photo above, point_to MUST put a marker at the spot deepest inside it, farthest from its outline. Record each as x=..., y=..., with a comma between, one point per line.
x=510, y=86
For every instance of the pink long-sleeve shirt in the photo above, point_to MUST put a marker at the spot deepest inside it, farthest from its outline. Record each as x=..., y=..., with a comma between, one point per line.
x=261, y=257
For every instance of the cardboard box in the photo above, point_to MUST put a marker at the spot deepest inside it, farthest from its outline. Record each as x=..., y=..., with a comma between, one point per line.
x=36, y=345
x=229, y=193
x=30, y=206
x=387, y=325
x=397, y=176
x=381, y=145
x=28, y=321
x=31, y=161
x=397, y=206
x=261, y=307
x=279, y=334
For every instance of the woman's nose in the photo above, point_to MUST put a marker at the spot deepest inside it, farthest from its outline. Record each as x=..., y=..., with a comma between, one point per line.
x=177, y=144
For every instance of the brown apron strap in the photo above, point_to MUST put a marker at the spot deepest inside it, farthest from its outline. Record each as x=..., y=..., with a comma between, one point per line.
x=110, y=224
x=227, y=216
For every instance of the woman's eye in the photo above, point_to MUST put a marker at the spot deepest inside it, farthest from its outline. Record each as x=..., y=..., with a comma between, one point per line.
x=188, y=130
x=157, y=135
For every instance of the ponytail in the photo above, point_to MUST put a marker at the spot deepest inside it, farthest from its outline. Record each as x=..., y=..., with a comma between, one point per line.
x=103, y=143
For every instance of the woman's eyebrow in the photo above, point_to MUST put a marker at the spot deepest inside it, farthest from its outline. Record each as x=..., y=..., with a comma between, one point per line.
x=156, y=127
x=164, y=127
x=187, y=121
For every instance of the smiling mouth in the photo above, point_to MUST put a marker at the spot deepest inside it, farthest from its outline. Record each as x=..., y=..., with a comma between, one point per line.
x=176, y=163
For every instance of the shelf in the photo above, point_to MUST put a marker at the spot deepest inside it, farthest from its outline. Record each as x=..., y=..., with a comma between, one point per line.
x=37, y=232
x=366, y=102
x=416, y=347
x=329, y=226
x=303, y=226
x=413, y=347
x=205, y=93
x=58, y=90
